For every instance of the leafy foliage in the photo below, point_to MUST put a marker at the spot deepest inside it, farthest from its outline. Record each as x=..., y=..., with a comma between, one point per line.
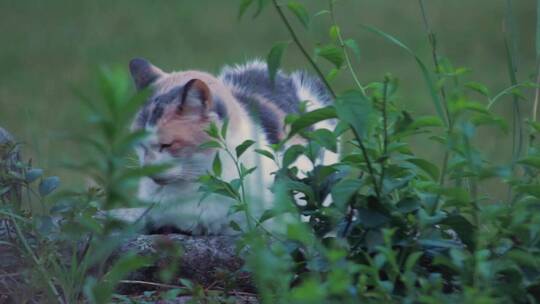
x=399, y=227
x=382, y=224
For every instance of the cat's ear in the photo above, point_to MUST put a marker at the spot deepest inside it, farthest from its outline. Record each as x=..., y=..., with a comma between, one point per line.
x=196, y=97
x=143, y=72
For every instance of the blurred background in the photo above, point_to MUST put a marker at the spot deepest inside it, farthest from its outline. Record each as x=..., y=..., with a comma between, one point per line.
x=50, y=48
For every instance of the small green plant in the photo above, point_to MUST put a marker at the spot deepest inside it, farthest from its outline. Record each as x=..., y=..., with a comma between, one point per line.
x=68, y=238
x=400, y=227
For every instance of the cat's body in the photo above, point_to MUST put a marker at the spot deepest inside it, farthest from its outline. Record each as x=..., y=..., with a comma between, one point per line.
x=182, y=107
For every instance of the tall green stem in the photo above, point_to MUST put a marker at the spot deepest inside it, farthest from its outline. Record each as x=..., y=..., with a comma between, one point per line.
x=344, y=49
x=435, y=57
x=368, y=163
x=385, y=131
x=242, y=188
x=302, y=49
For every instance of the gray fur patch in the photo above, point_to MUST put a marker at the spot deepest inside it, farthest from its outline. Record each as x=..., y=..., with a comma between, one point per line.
x=153, y=109
x=143, y=72
x=251, y=83
x=255, y=81
x=265, y=117
x=315, y=86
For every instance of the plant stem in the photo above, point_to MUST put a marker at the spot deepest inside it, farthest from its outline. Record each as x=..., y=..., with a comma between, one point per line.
x=345, y=53
x=368, y=163
x=302, y=49
x=536, y=92
x=435, y=57
x=511, y=60
x=433, y=42
x=242, y=188
x=385, y=131
x=510, y=44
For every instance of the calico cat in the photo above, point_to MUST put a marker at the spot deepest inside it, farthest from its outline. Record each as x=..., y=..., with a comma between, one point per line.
x=183, y=105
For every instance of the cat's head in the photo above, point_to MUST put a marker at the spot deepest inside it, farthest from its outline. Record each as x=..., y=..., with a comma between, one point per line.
x=176, y=116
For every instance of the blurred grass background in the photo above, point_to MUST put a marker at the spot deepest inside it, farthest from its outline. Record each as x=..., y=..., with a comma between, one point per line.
x=50, y=47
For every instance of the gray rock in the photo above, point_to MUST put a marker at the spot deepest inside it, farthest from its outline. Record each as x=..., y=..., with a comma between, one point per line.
x=205, y=260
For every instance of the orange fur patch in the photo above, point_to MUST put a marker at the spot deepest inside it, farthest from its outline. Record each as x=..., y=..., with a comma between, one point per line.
x=185, y=133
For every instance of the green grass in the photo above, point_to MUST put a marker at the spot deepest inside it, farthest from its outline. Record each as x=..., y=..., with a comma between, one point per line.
x=50, y=48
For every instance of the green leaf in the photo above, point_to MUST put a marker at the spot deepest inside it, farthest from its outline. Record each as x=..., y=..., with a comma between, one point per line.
x=343, y=191
x=479, y=119
x=291, y=154
x=332, y=74
x=244, y=5
x=462, y=105
x=300, y=11
x=309, y=291
x=268, y=214
x=265, y=153
x=334, y=33
x=524, y=258
x=246, y=171
x=234, y=226
x=187, y=283
x=408, y=204
x=355, y=109
x=212, y=144
x=535, y=125
x=48, y=185
x=532, y=189
x=124, y=266
x=212, y=185
x=478, y=87
x=425, y=165
x=456, y=194
x=412, y=259
x=532, y=161
x=331, y=53
x=310, y=118
x=321, y=12
x=426, y=121
x=464, y=229
x=213, y=131
x=439, y=243
x=147, y=170
x=325, y=138
x=353, y=45
x=224, y=128
x=260, y=6
x=371, y=219
x=243, y=147
x=216, y=165
x=273, y=60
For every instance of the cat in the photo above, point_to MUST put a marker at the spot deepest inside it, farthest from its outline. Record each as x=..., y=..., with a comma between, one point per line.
x=182, y=106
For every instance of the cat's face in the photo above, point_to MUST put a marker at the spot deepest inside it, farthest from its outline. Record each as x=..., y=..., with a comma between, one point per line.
x=176, y=117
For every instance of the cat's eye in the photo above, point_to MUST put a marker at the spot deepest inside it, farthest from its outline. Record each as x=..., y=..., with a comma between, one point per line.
x=164, y=146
